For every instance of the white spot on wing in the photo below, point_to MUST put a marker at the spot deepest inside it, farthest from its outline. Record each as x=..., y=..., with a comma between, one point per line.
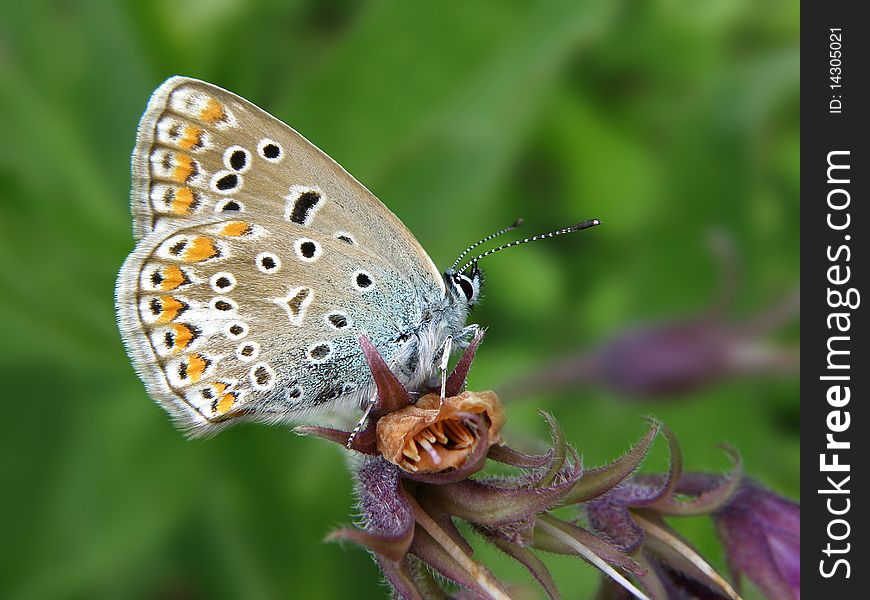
x=262, y=377
x=230, y=154
x=172, y=131
x=266, y=149
x=226, y=182
x=267, y=262
x=230, y=206
x=362, y=281
x=294, y=394
x=191, y=103
x=223, y=305
x=236, y=330
x=248, y=351
x=337, y=319
x=319, y=352
x=295, y=303
x=297, y=194
x=307, y=250
x=222, y=282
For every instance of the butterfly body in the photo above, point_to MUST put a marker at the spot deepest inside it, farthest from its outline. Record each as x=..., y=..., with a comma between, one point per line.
x=259, y=263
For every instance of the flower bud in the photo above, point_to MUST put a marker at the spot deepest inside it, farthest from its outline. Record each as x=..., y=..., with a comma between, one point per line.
x=761, y=532
x=432, y=435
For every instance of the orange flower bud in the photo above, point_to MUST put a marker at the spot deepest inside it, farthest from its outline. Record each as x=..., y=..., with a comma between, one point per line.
x=432, y=436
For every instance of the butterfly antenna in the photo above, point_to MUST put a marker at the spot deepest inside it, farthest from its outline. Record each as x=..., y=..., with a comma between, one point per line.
x=563, y=231
x=515, y=224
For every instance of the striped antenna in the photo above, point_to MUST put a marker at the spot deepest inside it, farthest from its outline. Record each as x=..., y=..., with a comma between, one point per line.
x=571, y=229
x=515, y=224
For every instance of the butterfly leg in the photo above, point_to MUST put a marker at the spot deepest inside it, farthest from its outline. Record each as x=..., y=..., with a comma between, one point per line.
x=466, y=335
x=445, y=359
x=362, y=421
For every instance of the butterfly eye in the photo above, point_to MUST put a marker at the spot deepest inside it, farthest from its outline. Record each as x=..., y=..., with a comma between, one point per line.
x=465, y=284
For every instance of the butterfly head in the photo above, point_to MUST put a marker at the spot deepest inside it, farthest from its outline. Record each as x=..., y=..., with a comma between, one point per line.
x=465, y=286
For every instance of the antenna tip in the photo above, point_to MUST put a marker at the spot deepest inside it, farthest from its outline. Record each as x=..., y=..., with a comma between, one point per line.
x=586, y=224
x=518, y=222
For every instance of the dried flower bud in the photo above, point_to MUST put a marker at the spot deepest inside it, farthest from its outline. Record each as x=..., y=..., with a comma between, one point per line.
x=432, y=435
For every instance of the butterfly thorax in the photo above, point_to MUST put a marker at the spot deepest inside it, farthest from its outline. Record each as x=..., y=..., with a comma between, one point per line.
x=417, y=358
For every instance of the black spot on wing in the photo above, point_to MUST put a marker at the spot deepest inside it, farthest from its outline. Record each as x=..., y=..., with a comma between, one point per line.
x=303, y=206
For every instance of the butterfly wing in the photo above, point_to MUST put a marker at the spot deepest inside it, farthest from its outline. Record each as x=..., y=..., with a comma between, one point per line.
x=259, y=262
x=202, y=150
x=234, y=319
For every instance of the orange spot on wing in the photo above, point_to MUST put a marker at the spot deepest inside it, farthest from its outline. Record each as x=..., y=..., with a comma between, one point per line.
x=185, y=168
x=196, y=365
x=200, y=249
x=236, y=229
x=183, y=200
x=225, y=403
x=170, y=308
x=192, y=137
x=183, y=336
x=213, y=112
x=173, y=277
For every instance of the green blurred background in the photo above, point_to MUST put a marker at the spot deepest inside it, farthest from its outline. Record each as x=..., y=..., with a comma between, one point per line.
x=666, y=119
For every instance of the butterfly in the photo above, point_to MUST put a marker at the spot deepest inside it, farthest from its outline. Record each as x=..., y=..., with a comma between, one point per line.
x=258, y=264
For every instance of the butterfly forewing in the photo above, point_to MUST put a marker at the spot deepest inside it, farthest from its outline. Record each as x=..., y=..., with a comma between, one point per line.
x=259, y=263
x=203, y=150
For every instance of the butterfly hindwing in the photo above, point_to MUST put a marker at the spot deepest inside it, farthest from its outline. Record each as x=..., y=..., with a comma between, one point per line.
x=233, y=318
x=202, y=150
